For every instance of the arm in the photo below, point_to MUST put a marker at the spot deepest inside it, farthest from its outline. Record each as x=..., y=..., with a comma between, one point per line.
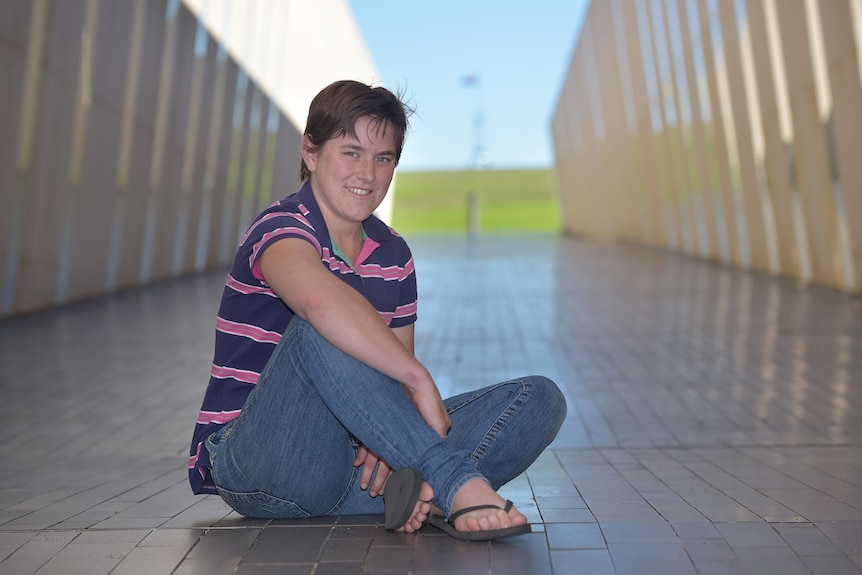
x=405, y=335
x=348, y=321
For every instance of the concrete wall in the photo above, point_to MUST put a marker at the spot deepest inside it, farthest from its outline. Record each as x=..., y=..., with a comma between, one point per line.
x=136, y=146
x=726, y=130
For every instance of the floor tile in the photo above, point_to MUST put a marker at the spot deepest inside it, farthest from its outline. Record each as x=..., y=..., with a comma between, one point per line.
x=714, y=424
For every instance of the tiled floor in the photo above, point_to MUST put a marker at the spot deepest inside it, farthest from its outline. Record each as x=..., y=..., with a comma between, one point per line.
x=715, y=424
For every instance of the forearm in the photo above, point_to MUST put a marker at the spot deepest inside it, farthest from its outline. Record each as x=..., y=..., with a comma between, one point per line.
x=349, y=322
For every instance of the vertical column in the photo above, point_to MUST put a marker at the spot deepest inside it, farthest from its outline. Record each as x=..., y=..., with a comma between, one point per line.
x=613, y=216
x=646, y=171
x=764, y=49
x=663, y=129
x=811, y=157
x=83, y=104
x=212, y=193
x=739, y=110
x=44, y=219
x=20, y=91
x=138, y=200
x=689, y=28
x=90, y=248
x=160, y=137
x=683, y=149
x=233, y=224
x=718, y=142
x=124, y=161
x=268, y=191
x=190, y=204
x=843, y=55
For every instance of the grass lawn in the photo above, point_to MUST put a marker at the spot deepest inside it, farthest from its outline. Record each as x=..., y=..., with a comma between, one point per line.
x=507, y=200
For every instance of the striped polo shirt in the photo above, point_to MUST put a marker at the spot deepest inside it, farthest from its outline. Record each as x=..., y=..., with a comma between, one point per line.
x=252, y=318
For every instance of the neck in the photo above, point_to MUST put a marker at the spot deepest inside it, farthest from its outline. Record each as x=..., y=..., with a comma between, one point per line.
x=349, y=242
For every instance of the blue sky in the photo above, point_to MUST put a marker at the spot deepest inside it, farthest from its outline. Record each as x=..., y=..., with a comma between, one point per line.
x=518, y=51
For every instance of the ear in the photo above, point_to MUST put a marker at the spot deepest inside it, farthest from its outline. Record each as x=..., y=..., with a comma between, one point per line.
x=309, y=154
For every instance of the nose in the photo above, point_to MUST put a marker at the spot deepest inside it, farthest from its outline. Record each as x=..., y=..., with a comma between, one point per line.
x=365, y=169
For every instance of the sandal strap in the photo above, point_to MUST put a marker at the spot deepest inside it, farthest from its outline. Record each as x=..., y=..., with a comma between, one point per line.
x=458, y=514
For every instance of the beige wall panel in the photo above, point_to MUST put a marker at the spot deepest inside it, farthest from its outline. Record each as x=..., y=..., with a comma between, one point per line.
x=143, y=132
x=262, y=183
x=268, y=193
x=591, y=194
x=15, y=23
x=812, y=165
x=168, y=216
x=705, y=194
x=663, y=138
x=681, y=147
x=45, y=200
x=201, y=104
x=285, y=178
x=564, y=152
x=221, y=165
x=580, y=211
x=713, y=160
x=251, y=174
x=578, y=166
x=750, y=187
x=240, y=162
x=612, y=212
x=789, y=248
x=92, y=209
x=718, y=142
x=110, y=195
x=842, y=56
x=645, y=172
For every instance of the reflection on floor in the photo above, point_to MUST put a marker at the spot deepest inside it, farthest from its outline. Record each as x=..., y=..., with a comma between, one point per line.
x=714, y=426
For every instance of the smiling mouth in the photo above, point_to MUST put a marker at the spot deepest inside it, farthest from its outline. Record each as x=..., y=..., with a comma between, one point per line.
x=359, y=191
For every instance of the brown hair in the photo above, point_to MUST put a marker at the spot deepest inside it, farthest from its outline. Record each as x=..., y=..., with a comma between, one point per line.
x=336, y=108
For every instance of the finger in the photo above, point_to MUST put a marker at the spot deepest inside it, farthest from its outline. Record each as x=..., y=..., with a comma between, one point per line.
x=361, y=456
x=367, y=471
x=383, y=473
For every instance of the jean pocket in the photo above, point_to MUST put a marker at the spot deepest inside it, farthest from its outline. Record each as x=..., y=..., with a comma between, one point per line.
x=261, y=505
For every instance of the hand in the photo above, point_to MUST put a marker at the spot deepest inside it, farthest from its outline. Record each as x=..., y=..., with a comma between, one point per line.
x=429, y=403
x=369, y=461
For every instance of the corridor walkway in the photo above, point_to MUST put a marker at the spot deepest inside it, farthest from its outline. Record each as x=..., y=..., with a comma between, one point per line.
x=714, y=425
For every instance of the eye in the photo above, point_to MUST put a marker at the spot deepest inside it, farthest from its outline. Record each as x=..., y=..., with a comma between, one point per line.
x=384, y=159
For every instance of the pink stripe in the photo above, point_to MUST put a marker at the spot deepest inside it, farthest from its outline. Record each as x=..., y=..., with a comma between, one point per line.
x=220, y=417
x=265, y=218
x=386, y=316
x=193, y=460
x=406, y=310
x=245, y=376
x=334, y=263
x=245, y=330
x=285, y=232
x=244, y=288
x=388, y=273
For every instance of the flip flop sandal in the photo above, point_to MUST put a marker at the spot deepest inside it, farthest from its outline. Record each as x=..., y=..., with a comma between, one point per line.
x=400, y=496
x=448, y=526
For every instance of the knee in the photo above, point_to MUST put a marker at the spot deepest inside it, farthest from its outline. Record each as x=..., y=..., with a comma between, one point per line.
x=549, y=400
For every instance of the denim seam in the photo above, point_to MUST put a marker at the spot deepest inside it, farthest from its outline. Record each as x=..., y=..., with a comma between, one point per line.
x=500, y=423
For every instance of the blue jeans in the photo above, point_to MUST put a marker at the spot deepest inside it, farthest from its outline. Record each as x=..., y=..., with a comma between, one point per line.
x=290, y=452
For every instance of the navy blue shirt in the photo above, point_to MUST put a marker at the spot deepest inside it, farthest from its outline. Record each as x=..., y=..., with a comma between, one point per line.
x=252, y=318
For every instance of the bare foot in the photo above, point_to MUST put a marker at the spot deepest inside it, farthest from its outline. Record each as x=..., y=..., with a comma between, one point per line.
x=478, y=492
x=421, y=511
